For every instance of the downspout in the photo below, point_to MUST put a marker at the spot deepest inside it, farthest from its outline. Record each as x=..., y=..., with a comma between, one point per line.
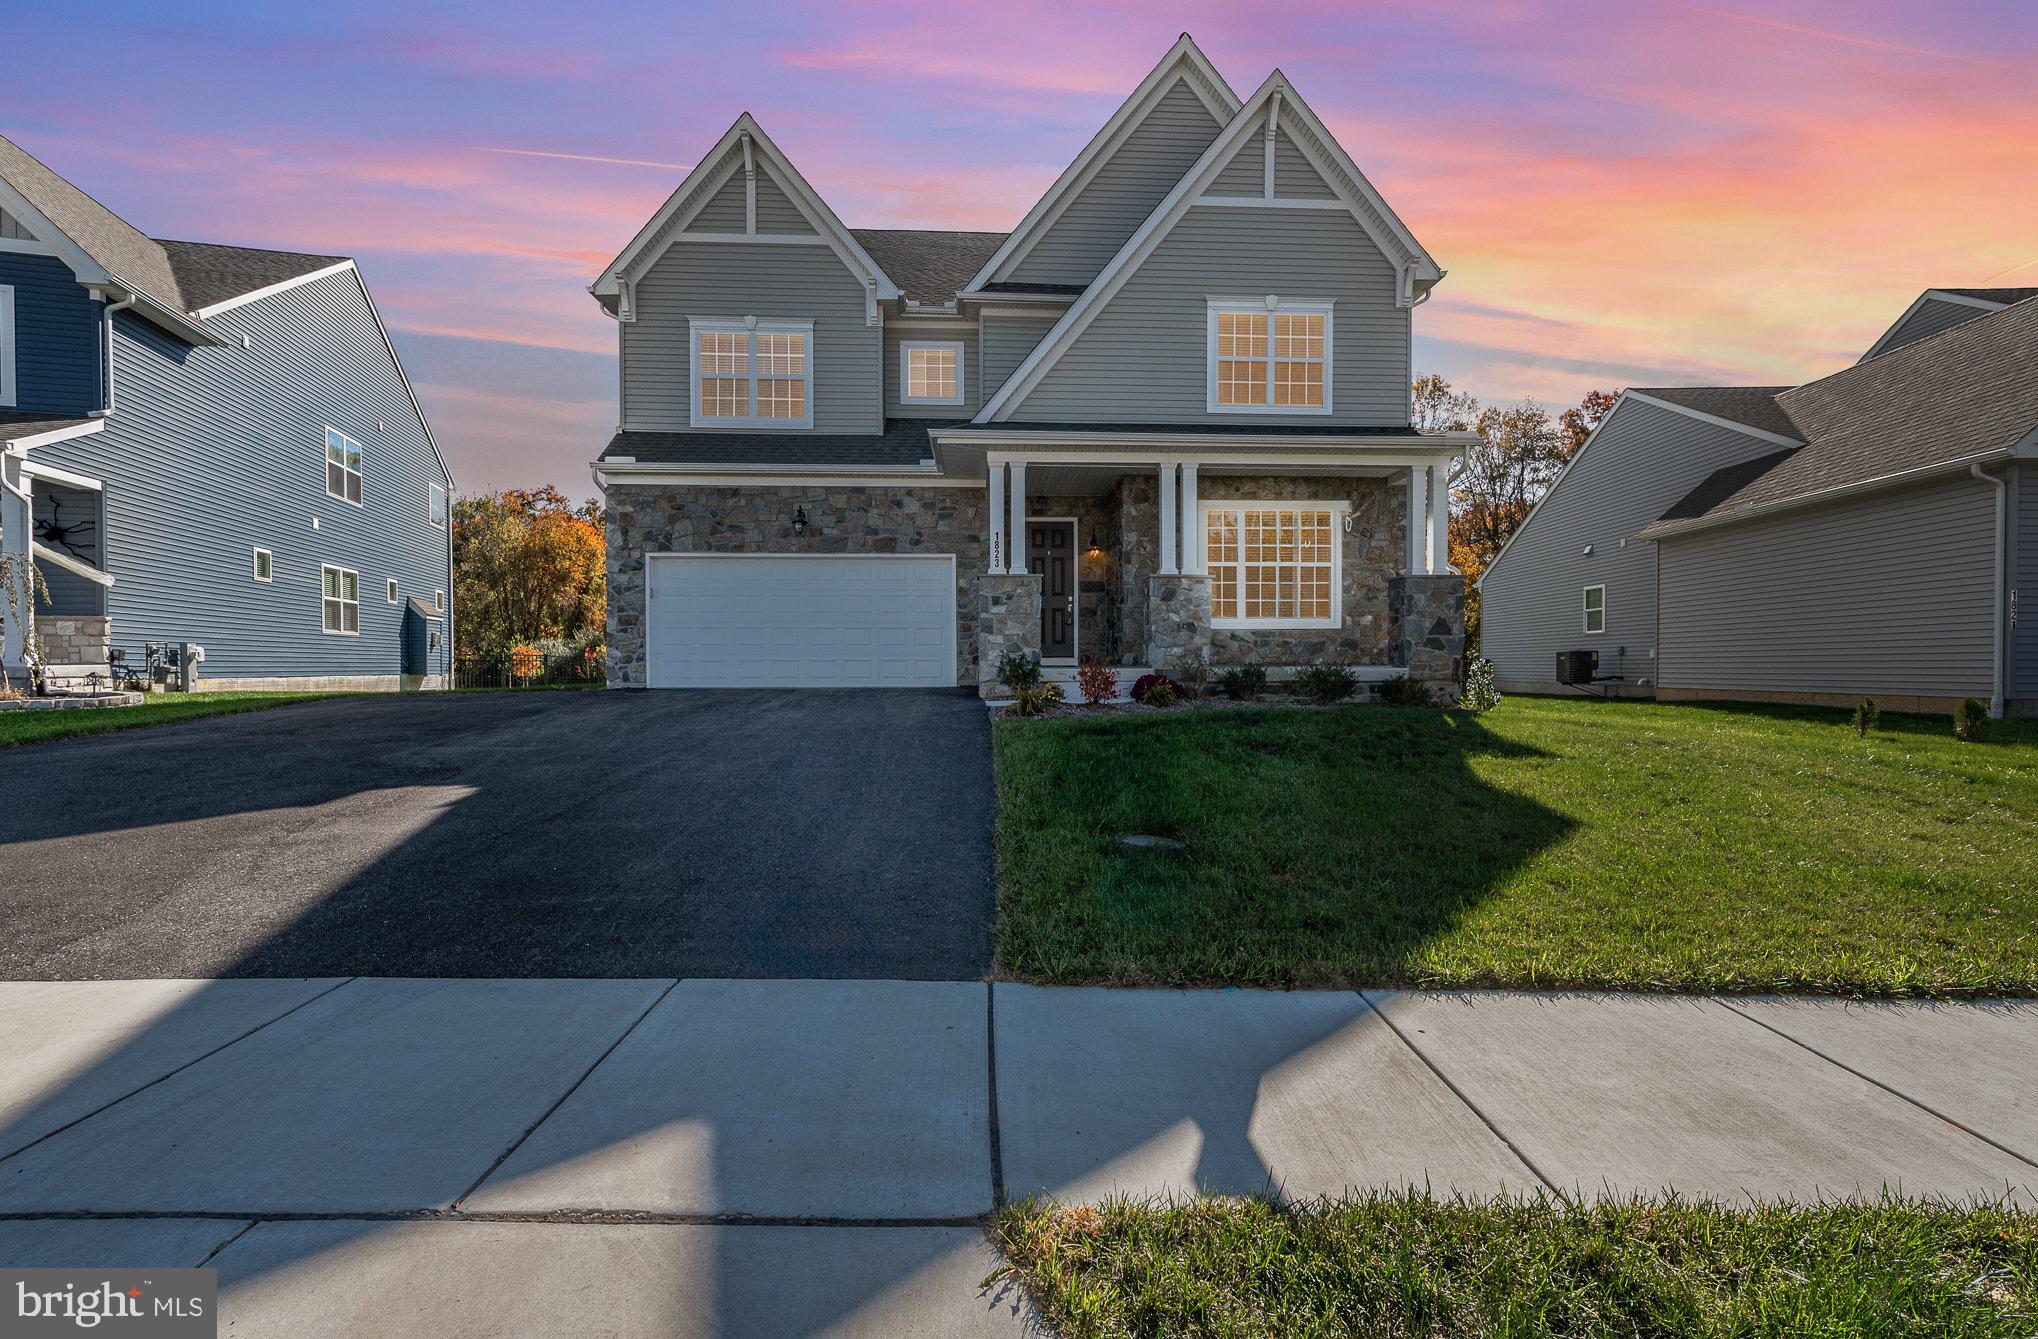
x=2001, y=643
x=107, y=315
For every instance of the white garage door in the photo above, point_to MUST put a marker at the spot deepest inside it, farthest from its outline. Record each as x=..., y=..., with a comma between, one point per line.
x=761, y=621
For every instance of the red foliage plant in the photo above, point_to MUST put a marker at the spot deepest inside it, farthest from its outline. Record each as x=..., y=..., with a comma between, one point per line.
x=1147, y=681
x=1096, y=683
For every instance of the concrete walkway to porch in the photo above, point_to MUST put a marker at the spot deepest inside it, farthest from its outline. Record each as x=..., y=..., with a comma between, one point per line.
x=404, y=1156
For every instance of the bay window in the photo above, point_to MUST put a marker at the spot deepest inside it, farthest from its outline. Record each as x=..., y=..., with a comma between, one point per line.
x=1273, y=564
x=752, y=373
x=1268, y=355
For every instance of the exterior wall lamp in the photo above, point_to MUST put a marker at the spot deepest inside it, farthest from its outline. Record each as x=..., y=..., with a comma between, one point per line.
x=800, y=521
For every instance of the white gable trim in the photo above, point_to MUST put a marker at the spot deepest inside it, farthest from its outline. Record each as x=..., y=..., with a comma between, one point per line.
x=1185, y=63
x=1417, y=270
x=744, y=143
x=206, y=313
x=1929, y=295
x=1713, y=419
x=404, y=377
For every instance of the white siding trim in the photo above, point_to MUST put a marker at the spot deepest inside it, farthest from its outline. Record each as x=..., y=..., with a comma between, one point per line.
x=1929, y=295
x=256, y=295
x=1713, y=419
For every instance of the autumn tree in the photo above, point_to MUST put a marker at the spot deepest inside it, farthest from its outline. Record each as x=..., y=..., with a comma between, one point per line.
x=528, y=566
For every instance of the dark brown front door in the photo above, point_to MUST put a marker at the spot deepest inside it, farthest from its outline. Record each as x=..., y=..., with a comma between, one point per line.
x=1051, y=552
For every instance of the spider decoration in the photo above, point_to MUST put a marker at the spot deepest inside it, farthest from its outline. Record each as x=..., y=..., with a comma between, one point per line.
x=68, y=523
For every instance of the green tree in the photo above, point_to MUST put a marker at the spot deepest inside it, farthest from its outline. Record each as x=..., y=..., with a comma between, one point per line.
x=528, y=566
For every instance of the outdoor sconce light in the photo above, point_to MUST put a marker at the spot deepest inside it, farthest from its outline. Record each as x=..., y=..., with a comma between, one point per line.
x=1096, y=545
x=799, y=521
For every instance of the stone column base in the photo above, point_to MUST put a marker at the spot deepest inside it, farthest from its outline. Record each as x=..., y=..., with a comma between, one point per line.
x=1177, y=618
x=73, y=639
x=1426, y=626
x=1008, y=619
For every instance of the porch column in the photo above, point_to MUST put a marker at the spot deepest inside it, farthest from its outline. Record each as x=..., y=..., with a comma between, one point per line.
x=1418, y=519
x=1440, y=517
x=1168, y=486
x=1192, y=522
x=17, y=527
x=1017, y=564
x=997, y=553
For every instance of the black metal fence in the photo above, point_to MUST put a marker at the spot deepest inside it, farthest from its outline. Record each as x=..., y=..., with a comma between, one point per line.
x=532, y=667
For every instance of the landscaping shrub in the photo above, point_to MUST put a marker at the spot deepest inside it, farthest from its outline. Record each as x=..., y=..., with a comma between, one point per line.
x=1325, y=684
x=1162, y=694
x=1402, y=691
x=1146, y=683
x=1188, y=672
x=1096, y=683
x=1247, y=681
x=1479, y=694
x=1866, y=714
x=1035, y=698
x=1970, y=720
x=1017, y=670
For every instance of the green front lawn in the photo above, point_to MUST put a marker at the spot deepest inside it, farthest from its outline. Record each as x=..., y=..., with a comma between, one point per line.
x=1414, y=1267
x=30, y=727
x=1548, y=843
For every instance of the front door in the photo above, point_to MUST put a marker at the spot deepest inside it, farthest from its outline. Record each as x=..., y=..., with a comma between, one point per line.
x=1051, y=553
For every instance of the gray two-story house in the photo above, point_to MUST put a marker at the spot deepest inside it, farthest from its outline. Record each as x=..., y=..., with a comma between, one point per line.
x=1166, y=414
x=213, y=445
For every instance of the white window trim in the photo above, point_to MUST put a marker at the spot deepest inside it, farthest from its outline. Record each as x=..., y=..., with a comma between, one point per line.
x=755, y=326
x=439, y=600
x=1271, y=305
x=906, y=347
x=1337, y=512
x=361, y=475
x=9, y=391
x=324, y=568
x=390, y=587
x=1585, y=611
x=255, y=568
x=437, y=508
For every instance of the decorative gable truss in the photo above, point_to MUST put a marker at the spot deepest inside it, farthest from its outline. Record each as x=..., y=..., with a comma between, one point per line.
x=1276, y=142
x=743, y=190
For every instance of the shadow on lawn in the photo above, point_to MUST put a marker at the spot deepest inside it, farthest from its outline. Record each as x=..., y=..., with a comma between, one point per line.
x=1322, y=847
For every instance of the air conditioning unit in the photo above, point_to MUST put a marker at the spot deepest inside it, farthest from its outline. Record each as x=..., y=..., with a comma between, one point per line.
x=1577, y=666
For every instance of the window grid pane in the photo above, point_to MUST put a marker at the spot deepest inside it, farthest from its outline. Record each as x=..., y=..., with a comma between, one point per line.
x=781, y=355
x=930, y=374
x=781, y=399
x=724, y=397
x=1272, y=564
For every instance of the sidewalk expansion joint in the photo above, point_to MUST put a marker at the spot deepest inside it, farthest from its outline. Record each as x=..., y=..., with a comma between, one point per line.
x=991, y=1111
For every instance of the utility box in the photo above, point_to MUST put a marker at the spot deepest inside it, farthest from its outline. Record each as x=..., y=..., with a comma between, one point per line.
x=1574, y=667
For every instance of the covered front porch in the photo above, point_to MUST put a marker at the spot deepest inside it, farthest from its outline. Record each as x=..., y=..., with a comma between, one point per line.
x=56, y=520
x=1138, y=555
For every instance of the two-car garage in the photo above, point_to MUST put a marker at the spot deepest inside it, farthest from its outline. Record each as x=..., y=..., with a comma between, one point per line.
x=754, y=620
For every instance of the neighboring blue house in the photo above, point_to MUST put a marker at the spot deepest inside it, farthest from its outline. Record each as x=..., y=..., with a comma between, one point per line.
x=214, y=445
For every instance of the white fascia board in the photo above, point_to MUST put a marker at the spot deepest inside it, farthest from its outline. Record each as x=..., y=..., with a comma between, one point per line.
x=20, y=444
x=1184, y=61
x=1660, y=530
x=1171, y=210
x=1426, y=444
x=1045, y=299
x=673, y=215
x=207, y=313
x=1776, y=437
x=51, y=474
x=737, y=476
x=409, y=392
x=1929, y=295
x=1336, y=167
x=87, y=270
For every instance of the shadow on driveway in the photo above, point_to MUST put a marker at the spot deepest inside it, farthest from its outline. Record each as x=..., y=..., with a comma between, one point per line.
x=671, y=834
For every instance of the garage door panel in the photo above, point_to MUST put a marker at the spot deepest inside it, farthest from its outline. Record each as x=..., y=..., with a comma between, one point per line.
x=732, y=620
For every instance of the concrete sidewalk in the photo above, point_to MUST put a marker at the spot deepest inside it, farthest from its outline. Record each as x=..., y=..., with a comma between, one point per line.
x=402, y=1157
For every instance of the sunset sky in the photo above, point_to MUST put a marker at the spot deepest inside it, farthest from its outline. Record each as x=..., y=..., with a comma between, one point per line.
x=1622, y=191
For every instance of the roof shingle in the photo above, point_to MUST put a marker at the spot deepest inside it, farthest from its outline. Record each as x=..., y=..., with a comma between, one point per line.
x=209, y=273
x=903, y=443
x=1750, y=406
x=928, y=265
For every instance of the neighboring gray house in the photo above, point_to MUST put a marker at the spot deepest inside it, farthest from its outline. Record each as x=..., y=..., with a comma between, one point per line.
x=1870, y=534
x=212, y=445
x=1168, y=413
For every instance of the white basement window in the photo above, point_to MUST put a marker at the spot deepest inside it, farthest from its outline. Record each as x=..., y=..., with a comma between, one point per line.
x=342, y=599
x=752, y=373
x=1274, y=565
x=343, y=466
x=1595, y=609
x=930, y=371
x=1268, y=355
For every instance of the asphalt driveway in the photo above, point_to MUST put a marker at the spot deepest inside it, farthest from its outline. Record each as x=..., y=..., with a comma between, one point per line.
x=670, y=834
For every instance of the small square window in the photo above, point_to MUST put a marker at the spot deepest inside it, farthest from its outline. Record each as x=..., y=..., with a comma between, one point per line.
x=435, y=507
x=392, y=590
x=930, y=372
x=1595, y=609
x=265, y=565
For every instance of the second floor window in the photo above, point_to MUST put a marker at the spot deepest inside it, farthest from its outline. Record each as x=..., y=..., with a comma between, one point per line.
x=753, y=373
x=1269, y=356
x=930, y=372
x=343, y=466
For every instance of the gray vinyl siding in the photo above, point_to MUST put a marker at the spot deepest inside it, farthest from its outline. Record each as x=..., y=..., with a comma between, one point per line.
x=966, y=335
x=776, y=212
x=1144, y=358
x=1531, y=603
x=724, y=210
x=1294, y=178
x=799, y=282
x=1245, y=174
x=1110, y=208
x=1006, y=342
x=1930, y=318
x=56, y=336
x=2024, y=586
x=213, y=452
x=1886, y=593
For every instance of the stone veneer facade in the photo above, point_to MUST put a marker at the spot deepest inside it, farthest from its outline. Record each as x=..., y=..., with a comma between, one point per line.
x=1426, y=626
x=73, y=639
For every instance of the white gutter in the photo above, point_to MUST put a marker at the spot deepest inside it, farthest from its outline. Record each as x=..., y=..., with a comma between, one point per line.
x=107, y=316
x=1997, y=667
x=1011, y=439
x=1672, y=529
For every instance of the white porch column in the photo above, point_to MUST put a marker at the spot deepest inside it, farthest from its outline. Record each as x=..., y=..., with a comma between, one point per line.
x=1168, y=486
x=1192, y=522
x=1440, y=517
x=997, y=553
x=17, y=528
x=1017, y=564
x=1418, y=520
